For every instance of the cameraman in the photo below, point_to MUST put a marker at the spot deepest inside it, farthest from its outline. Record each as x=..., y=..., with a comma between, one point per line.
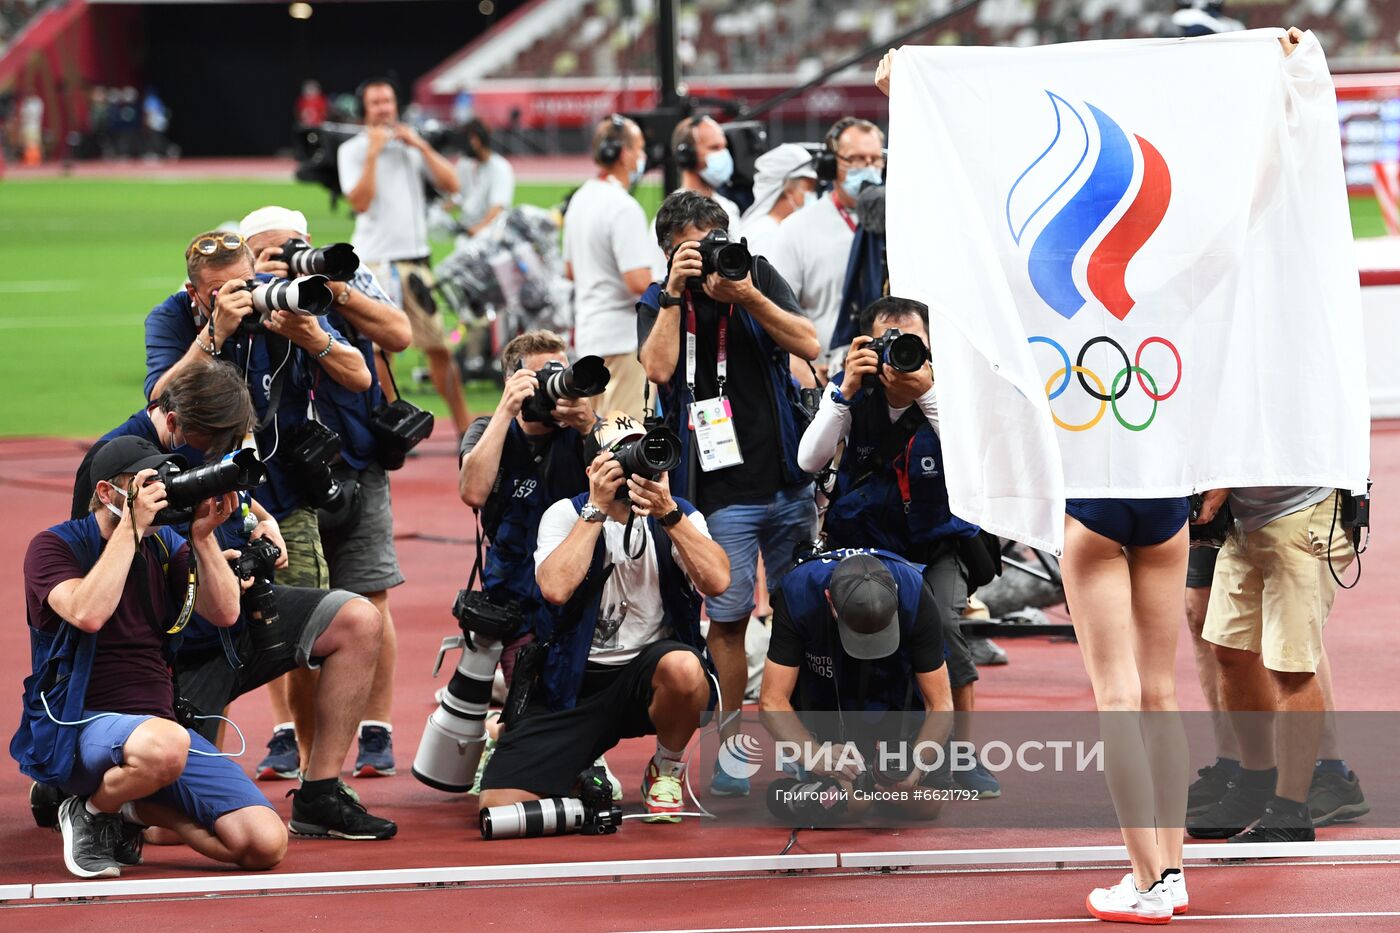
x=315, y=629
x=514, y=467
x=623, y=656
x=101, y=592
x=890, y=491
x=885, y=661
x=721, y=348
x=359, y=548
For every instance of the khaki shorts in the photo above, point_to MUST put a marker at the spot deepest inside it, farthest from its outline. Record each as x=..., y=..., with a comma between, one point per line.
x=306, y=561
x=626, y=382
x=424, y=320
x=1273, y=589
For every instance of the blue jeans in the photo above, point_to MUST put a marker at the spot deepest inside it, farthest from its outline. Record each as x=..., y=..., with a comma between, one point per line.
x=777, y=527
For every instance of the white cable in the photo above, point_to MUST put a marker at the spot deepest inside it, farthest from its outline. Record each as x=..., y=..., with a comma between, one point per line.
x=194, y=751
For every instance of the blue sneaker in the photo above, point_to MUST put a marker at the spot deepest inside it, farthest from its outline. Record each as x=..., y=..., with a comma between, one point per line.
x=724, y=784
x=283, y=757
x=980, y=780
x=376, y=757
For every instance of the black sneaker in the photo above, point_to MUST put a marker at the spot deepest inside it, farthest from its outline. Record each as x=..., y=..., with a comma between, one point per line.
x=130, y=838
x=1278, y=824
x=1335, y=798
x=338, y=815
x=1208, y=788
x=88, y=840
x=1229, y=816
x=43, y=803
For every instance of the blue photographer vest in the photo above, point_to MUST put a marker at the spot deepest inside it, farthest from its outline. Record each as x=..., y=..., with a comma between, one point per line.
x=890, y=492
x=829, y=679
x=61, y=666
x=525, y=487
x=567, y=657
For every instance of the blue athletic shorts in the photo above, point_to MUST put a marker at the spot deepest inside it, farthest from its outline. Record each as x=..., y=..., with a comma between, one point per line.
x=207, y=789
x=1131, y=522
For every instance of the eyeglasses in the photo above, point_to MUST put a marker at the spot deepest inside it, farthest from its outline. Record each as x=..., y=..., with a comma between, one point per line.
x=209, y=245
x=877, y=161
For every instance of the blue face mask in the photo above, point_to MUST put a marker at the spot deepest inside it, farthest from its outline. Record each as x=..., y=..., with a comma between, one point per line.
x=636, y=174
x=719, y=168
x=858, y=178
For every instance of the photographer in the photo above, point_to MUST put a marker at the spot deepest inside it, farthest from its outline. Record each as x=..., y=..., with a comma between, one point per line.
x=101, y=592
x=383, y=172
x=622, y=657
x=329, y=631
x=514, y=466
x=890, y=491
x=720, y=347
x=358, y=540
x=884, y=661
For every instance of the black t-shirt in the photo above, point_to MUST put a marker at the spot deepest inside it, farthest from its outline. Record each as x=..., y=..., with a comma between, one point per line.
x=925, y=643
x=747, y=385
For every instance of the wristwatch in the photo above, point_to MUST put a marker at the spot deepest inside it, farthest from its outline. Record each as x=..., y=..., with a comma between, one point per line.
x=669, y=301
x=591, y=513
x=670, y=519
x=344, y=297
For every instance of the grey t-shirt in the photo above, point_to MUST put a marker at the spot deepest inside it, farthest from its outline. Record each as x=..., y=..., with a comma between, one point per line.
x=396, y=225
x=1255, y=506
x=484, y=185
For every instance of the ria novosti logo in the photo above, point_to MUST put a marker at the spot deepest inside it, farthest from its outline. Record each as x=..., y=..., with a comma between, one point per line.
x=740, y=756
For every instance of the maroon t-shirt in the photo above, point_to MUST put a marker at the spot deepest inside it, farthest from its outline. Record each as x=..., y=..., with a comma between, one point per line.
x=129, y=673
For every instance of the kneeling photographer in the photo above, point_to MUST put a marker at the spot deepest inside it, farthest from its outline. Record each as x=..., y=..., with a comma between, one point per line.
x=716, y=337
x=857, y=646
x=281, y=628
x=890, y=492
x=375, y=434
x=622, y=656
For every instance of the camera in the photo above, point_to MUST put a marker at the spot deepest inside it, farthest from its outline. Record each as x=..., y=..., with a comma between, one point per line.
x=812, y=801
x=904, y=352
x=655, y=452
x=718, y=253
x=456, y=731
x=398, y=427
x=311, y=448
x=586, y=378
x=1212, y=533
x=185, y=489
x=257, y=561
x=591, y=813
x=309, y=295
x=337, y=262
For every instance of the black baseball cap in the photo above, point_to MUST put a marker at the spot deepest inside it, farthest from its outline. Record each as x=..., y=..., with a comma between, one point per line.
x=866, y=601
x=130, y=454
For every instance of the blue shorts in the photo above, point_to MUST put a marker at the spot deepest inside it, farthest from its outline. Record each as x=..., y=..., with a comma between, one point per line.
x=1131, y=522
x=207, y=789
x=778, y=527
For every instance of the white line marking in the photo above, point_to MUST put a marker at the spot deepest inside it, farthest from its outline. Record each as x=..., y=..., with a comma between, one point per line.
x=932, y=924
x=1195, y=851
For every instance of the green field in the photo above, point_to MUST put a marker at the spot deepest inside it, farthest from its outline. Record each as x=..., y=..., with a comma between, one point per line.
x=82, y=262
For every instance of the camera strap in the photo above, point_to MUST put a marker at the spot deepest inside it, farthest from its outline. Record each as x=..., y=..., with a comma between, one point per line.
x=722, y=359
x=389, y=370
x=279, y=378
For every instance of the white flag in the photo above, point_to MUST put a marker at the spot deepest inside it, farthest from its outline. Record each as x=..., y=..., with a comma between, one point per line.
x=1138, y=261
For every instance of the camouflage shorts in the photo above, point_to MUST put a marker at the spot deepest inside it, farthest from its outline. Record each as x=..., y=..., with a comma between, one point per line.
x=306, y=562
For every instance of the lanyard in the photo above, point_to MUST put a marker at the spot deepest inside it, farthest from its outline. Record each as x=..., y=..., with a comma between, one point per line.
x=721, y=364
x=850, y=222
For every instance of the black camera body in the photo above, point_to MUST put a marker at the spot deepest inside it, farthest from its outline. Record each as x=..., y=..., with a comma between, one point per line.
x=185, y=489
x=336, y=262
x=900, y=351
x=601, y=816
x=586, y=378
x=257, y=561
x=655, y=452
x=1212, y=533
x=307, y=295
x=718, y=253
x=311, y=448
x=484, y=617
x=398, y=427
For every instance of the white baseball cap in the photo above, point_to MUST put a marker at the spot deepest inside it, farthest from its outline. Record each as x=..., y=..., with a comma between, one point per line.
x=272, y=218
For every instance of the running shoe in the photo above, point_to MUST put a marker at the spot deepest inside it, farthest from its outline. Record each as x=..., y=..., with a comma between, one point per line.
x=724, y=784
x=612, y=778
x=978, y=778
x=1234, y=812
x=89, y=841
x=337, y=815
x=376, y=755
x=1175, y=880
x=1209, y=787
x=1124, y=903
x=283, y=757
x=1332, y=798
x=1278, y=824
x=661, y=794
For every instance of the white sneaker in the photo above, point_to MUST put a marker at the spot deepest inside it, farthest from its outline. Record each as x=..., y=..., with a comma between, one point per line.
x=1176, y=887
x=612, y=778
x=1124, y=903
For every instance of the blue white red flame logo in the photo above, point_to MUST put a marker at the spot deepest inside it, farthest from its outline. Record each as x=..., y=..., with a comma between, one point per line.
x=1055, y=249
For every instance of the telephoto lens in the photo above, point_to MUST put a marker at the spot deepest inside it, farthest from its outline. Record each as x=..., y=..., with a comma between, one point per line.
x=239, y=471
x=456, y=731
x=586, y=378
x=337, y=262
x=655, y=452
x=552, y=816
x=306, y=295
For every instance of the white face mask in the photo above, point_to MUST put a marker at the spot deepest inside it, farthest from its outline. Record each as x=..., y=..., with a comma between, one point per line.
x=112, y=508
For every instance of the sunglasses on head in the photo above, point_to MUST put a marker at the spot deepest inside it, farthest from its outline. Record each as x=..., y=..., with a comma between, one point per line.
x=209, y=245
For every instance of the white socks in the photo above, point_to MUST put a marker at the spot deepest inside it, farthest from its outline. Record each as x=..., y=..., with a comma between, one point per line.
x=668, y=761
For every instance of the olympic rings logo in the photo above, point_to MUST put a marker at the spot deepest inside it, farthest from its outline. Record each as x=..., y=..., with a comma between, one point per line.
x=1108, y=397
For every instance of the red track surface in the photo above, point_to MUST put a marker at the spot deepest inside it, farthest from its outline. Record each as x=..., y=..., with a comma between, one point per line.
x=439, y=830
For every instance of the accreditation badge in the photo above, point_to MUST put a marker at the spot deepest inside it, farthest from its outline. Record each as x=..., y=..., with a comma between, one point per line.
x=713, y=422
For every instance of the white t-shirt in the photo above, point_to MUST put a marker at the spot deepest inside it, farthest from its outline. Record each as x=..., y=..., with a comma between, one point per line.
x=396, y=225
x=658, y=262
x=631, y=613
x=605, y=235
x=762, y=234
x=811, y=253
x=484, y=185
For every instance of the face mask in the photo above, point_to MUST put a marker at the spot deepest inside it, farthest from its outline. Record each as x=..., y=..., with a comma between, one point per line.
x=807, y=198
x=636, y=174
x=112, y=508
x=858, y=178
x=719, y=168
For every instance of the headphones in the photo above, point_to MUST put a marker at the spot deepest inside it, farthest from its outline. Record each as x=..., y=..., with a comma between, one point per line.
x=825, y=160
x=610, y=146
x=683, y=152
x=368, y=83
